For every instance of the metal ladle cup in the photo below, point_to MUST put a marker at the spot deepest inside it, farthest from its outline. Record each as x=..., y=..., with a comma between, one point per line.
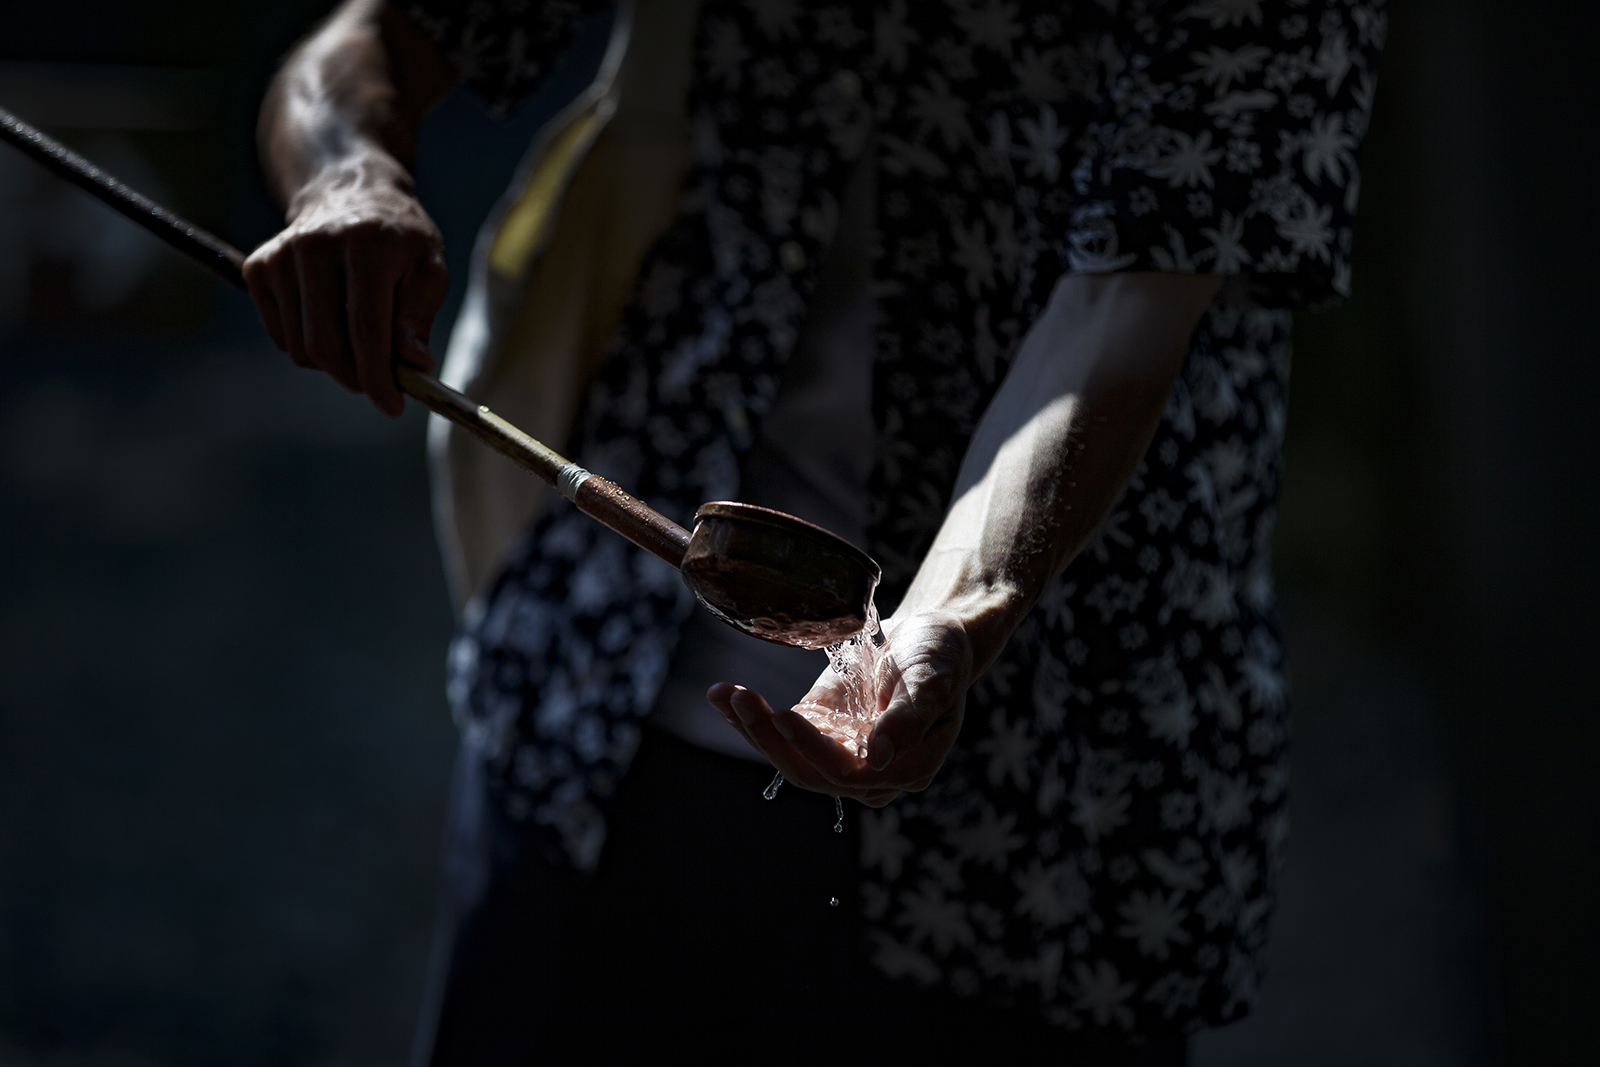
x=765, y=572
x=769, y=574
x=777, y=577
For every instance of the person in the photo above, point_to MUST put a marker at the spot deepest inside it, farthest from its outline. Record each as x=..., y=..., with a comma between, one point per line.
x=1000, y=290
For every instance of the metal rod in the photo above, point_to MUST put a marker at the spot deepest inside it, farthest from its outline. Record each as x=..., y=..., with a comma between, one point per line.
x=219, y=256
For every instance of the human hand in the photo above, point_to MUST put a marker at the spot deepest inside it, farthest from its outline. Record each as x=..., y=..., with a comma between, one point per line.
x=920, y=689
x=353, y=282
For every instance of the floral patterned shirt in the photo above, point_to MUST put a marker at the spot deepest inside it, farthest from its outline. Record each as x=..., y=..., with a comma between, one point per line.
x=1103, y=843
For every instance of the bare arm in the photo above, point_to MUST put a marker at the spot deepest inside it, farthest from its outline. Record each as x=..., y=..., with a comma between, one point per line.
x=1052, y=453
x=354, y=280
x=1057, y=446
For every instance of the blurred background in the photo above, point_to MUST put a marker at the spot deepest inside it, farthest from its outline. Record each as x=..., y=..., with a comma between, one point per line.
x=223, y=741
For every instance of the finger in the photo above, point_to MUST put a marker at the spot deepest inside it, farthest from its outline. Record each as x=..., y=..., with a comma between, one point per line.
x=369, y=319
x=322, y=310
x=422, y=289
x=832, y=760
x=827, y=764
x=754, y=715
x=722, y=706
x=271, y=316
x=901, y=731
x=721, y=698
x=782, y=756
x=760, y=736
x=915, y=703
x=285, y=280
x=258, y=282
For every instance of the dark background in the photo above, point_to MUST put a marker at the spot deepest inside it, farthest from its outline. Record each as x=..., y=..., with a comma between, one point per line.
x=223, y=744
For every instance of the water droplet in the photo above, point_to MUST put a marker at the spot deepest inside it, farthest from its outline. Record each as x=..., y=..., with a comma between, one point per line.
x=833, y=902
x=772, y=790
x=838, y=808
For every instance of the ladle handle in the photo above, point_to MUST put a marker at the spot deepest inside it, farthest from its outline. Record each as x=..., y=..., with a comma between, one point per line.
x=594, y=496
x=63, y=162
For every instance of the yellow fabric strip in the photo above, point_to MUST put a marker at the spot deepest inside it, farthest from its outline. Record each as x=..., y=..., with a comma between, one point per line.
x=528, y=224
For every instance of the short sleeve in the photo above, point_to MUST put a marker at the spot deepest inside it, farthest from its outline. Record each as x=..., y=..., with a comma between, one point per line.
x=1225, y=140
x=502, y=48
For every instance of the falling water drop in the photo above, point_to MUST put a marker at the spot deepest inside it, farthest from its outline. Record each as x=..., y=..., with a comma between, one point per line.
x=833, y=902
x=772, y=790
x=838, y=808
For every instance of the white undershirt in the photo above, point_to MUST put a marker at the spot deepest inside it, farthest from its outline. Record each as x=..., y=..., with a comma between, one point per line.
x=812, y=459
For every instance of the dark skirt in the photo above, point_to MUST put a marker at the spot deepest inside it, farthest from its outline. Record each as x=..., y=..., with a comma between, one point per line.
x=710, y=930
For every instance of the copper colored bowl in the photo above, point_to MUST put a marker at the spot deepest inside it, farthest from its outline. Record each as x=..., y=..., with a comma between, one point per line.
x=777, y=577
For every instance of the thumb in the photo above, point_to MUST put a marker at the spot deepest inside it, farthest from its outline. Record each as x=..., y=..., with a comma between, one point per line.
x=903, y=724
x=925, y=677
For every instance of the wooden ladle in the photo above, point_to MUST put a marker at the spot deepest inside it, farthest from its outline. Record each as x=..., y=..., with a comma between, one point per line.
x=769, y=574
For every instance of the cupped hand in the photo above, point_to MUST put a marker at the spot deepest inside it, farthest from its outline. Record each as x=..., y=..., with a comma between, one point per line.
x=353, y=283
x=921, y=689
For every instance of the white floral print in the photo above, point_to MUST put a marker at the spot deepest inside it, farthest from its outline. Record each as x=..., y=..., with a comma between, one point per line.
x=1104, y=840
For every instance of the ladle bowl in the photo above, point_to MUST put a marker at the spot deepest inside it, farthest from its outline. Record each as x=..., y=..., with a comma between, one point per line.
x=778, y=577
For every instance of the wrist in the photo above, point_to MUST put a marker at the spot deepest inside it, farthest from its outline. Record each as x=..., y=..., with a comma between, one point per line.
x=987, y=606
x=365, y=177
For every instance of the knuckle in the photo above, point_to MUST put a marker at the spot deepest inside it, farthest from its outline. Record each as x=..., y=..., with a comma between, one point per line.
x=316, y=238
x=369, y=227
x=269, y=249
x=416, y=234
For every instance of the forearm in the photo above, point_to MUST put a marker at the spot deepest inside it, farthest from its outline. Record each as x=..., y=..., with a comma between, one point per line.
x=1053, y=450
x=344, y=110
x=353, y=281
x=1056, y=447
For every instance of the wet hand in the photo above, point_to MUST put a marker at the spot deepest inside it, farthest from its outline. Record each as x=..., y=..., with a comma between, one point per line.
x=353, y=282
x=922, y=691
